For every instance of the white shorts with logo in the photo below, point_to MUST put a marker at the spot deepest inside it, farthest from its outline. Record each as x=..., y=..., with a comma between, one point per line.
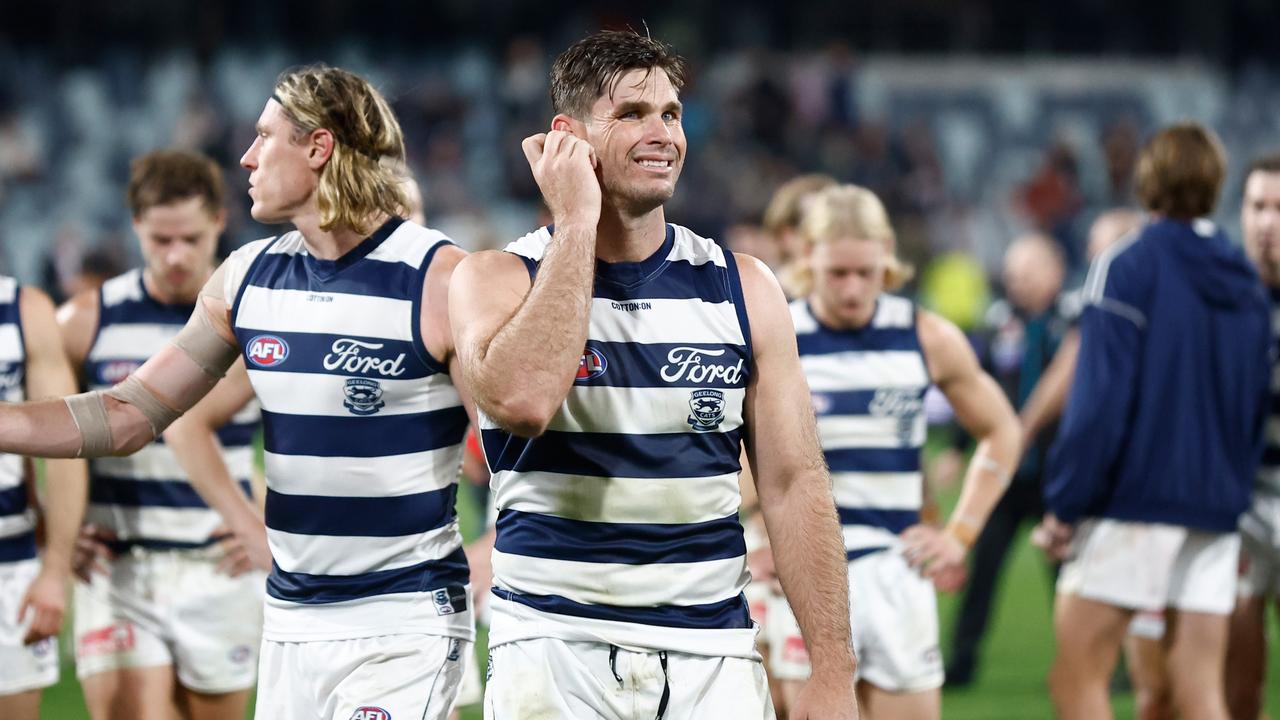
x=388, y=677
x=1260, y=548
x=893, y=612
x=549, y=678
x=22, y=667
x=1149, y=566
x=171, y=607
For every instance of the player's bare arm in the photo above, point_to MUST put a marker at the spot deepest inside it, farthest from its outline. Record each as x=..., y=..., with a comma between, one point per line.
x=135, y=412
x=193, y=438
x=983, y=411
x=66, y=493
x=520, y=351
x=1049, y=397
x=795, y=497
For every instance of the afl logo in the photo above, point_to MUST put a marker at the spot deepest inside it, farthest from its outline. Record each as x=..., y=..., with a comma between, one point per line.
x=267, y=351
x=368, y=712
x=591, y=366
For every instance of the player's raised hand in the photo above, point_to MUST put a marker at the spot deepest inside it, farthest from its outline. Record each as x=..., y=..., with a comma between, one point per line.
x=244, y=550
x=91, y=552
x=564, y=167
x=936, y=554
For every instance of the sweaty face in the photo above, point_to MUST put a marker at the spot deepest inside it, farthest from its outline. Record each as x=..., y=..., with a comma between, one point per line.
x=281, y=180
x=848, y=276
x=1260, y=218
x=638, y=140
x=178, y=243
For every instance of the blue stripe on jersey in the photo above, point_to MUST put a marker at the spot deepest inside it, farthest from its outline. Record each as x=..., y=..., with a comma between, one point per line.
x=18, y=547
x=845, y=402
x=320, y=589
x=677, y=280
x=149, y=493
x=724, y=615
x=237, y=434
x=851, y=555
x=641, y=365
x=874, y=460
x=739, y=302
x=555, y=538
x=372, y=279
x=869, y=338
x=895, y=521
x=13, y=500
x=363, y=436
x=144, y=312
x=658, y=455
x=309, y=353
x=360, y=516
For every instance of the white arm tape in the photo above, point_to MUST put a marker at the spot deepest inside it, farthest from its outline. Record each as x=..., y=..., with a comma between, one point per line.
x=135, y=392
x=90, y=415
x=202, y=343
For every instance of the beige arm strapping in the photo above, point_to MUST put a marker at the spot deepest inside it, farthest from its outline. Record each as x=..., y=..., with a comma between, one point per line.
x=90, y=416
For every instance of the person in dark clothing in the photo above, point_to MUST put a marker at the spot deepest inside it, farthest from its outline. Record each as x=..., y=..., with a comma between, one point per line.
x=1020, y=336
x=1156, y=454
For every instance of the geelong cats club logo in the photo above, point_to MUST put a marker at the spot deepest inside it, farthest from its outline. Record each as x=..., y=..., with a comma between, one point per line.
x=364, y=397
x=707, y=408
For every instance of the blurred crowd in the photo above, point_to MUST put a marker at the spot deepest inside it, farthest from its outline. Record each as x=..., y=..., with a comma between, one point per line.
x=966, y=154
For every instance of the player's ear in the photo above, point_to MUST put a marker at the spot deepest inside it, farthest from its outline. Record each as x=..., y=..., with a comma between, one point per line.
x=321, y=147
x=566, y=123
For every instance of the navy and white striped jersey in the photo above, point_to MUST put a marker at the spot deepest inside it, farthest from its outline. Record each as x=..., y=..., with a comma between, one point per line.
x=1269, y=468
x=620, y=523
x=868, y=390
x=364, y=435
x=145, y=498
x=17, y=520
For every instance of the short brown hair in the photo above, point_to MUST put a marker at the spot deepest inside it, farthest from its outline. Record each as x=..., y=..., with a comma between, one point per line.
x=786, y=207
x=1269, y=163
x=591, y=68
x=362, y=177
x=168, y=176
x=1180, y=171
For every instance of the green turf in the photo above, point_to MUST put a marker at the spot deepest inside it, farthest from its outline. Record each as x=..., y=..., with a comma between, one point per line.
x=1010, y=684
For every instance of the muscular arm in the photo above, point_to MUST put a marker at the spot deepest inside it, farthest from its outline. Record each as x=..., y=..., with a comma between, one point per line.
x=520, y=350
x=47, y=428
x=792, y=481
x=981, y=408
x=1049, y=397
x=66, y=491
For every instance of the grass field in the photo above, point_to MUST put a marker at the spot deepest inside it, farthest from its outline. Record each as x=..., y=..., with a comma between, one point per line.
x=1010, y=684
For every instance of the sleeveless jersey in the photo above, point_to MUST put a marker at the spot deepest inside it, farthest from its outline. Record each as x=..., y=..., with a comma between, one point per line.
x=363, y=438
x=620, y=523
x=17, y=519
x=868, y=390
x=146, y=498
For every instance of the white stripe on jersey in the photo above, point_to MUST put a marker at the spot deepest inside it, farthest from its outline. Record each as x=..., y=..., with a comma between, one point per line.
x=385, y=476
x=132, y=340
x=11, y=525
x=857, y=537
x=8, y=290
x=186, y=525
x=157, y=462
x=332, y=555
x=838, y=432
x=314, y=393
x=406, y=247
x=878, y=491
x=10, y=343
x=700, y=322
x=638, y=410
x=344, y=314
x=617, y=499
x=869, y=370
x=619, y=584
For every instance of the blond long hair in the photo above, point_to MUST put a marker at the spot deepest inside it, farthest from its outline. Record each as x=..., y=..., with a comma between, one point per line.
x=361, y=180
x=842, y=212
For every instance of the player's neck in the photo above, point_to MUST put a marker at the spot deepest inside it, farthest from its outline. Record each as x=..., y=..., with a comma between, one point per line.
x=622, y=237
x=833, y=321
x=333, y=243
x=166, y=295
